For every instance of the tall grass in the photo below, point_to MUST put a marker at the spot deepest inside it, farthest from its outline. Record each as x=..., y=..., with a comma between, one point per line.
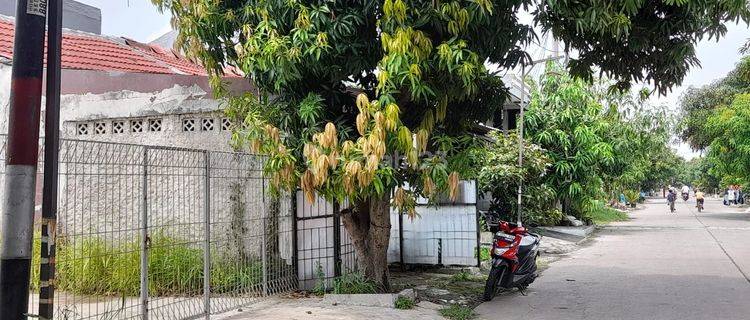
x=353, y=283
x=602, y=214
x=96, y=267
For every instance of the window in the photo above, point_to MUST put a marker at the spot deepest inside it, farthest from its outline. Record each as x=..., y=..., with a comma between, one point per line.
x=83, y=128
x=188, y=125
x=226, y=124
x=207, y=124
x=136, y=126
x=118, y=126
x=154, y=125
x=100, y=127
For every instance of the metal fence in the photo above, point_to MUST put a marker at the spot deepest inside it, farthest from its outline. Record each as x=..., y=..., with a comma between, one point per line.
x=172, y=233
x=166, y=233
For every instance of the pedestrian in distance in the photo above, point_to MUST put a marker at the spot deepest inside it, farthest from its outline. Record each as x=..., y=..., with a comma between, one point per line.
x=731, y=196
x=671, y=198
x=740, y=196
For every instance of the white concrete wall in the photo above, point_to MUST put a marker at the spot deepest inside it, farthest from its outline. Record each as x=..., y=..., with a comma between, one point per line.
x=446, y=234
x=171, y=134
x=172, y=105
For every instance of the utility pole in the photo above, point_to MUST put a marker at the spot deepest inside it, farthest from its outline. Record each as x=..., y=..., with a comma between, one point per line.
x=22, y=157
x=555, y=47
x=519, y=125
x=524, y=72
x=51, y=159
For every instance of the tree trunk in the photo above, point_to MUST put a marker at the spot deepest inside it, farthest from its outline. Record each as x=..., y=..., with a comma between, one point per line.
x=369, y=225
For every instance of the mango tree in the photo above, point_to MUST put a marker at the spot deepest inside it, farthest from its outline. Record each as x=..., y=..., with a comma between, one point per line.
x=343, y=84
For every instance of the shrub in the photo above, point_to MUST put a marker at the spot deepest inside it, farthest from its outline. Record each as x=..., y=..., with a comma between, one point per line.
x=404, y=303
x=484, y=254
x=457, y=312
x=631, y=196
x=499, y=175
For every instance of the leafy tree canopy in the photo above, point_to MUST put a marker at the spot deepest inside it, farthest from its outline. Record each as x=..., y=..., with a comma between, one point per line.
x=598, y=140
x=697, y=104
x=698, y=173
x=639, y=134
x=730, y=149
x=656, y=36
x=565, y=118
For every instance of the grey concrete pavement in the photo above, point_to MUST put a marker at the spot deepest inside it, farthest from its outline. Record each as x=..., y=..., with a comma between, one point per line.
x=656, y=266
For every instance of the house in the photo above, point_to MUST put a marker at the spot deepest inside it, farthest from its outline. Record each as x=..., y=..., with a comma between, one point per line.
x=120, y=90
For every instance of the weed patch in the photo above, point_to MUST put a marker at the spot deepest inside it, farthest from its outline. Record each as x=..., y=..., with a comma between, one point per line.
x=464, y=276
x=457, y=312
x=604, y=215
x=353, y=283
x=404, y=303
x=320, y=283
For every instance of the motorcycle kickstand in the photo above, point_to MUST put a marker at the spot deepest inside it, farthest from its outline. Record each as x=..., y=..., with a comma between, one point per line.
x=522, y=290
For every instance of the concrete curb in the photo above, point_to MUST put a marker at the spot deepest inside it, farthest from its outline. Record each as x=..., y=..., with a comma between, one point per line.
x=385, y=300
x=574, y=234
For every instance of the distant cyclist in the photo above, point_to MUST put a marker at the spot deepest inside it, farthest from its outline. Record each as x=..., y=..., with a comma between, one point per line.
x=699, y=199
x=685, y=192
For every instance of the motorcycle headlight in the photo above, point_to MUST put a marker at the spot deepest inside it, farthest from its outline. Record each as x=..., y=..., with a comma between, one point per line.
x=499, y=251
x=503, y=242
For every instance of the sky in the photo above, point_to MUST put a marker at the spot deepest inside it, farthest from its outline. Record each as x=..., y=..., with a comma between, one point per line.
x=135, y=19
x=141, y=21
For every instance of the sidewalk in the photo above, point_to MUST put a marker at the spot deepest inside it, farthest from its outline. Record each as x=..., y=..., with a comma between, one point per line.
x=277, y=308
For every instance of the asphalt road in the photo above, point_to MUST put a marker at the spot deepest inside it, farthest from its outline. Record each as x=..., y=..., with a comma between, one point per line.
x=656, y=266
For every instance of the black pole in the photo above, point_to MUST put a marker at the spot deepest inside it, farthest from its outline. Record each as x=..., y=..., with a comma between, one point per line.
x=295, y=253
x=51, y=152
x=336, y=239
x=479, y=224
x=401, y=240
x=21, y=162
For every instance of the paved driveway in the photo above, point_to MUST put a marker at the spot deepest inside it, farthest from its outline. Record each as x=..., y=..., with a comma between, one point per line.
x=656, y=266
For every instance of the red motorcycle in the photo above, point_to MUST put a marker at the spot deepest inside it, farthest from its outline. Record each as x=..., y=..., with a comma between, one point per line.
x=514, y=253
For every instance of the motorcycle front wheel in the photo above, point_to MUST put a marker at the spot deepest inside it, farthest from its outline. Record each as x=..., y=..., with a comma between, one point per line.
x=490, y=288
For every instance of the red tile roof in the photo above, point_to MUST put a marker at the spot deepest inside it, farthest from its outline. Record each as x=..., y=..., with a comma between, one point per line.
x=94, y=52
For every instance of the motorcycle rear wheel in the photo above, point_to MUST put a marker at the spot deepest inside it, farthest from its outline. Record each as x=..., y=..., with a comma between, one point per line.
x=490, y=288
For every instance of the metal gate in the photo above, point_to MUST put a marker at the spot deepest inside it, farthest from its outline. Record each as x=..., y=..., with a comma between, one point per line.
x=323, y=245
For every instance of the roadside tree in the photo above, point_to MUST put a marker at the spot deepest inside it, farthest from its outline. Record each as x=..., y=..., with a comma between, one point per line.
x=342, y=84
